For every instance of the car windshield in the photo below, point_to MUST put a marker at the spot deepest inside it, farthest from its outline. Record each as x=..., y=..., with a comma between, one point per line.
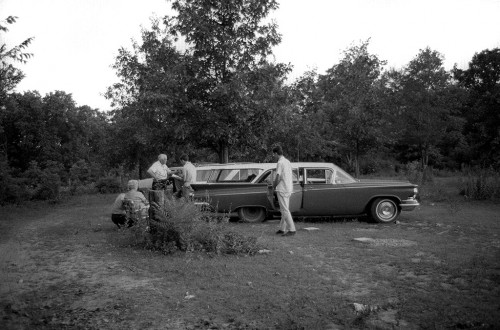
x=340, y=176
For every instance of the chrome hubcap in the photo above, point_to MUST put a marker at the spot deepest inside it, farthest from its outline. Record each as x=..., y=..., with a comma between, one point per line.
x=386, y=210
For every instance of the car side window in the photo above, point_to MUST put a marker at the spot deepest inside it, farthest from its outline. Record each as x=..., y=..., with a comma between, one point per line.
x=319, y=176
x=202, y=175
x=237, y=175
x=268, y=177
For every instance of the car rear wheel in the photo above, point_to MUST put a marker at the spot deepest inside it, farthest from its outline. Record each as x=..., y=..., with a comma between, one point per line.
x=252, y=214
x=384, y=210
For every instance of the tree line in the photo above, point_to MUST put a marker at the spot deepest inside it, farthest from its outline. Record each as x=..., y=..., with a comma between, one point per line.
x=221, y=97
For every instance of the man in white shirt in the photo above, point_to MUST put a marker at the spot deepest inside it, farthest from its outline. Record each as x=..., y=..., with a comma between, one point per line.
x=160, y=172
x=283, y=185
x=188, y=174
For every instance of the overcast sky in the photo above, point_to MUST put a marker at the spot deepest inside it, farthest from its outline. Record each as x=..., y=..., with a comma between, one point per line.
x=76, y=41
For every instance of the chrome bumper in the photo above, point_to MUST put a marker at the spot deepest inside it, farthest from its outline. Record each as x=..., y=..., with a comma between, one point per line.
x=409, y=204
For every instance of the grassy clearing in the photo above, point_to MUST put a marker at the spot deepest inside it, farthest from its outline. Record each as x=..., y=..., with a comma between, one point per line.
x=438, y=268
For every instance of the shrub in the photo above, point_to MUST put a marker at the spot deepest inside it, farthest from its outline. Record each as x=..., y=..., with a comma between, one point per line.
x=80, y=172
x=48, y=188
x=12, y=190
x=481, y=184
x=42, y=184
x=178, y=225
x=375, y=164
x=415, y=174
x=82, y=189
x=107, y=185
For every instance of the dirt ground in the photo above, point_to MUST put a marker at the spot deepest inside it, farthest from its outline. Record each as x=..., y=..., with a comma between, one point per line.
x=66, y=266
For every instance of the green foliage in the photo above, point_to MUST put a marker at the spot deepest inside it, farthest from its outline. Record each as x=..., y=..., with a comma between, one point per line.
x=10, y=76
x=108, y=184
x=177, y=225
x=481, y=110
x=424, y=100
x=351, y=93
x=377, y=163
x=43, y=183
x=481, y=184
x=51, y=128
x=224, y=76
x=80, y=172
x=12, y=190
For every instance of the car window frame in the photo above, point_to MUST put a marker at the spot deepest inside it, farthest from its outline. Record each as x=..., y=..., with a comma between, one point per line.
x=325, y=169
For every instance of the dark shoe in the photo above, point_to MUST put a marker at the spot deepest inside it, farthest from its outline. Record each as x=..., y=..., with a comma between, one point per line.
x=279, y=232
x=289, y=233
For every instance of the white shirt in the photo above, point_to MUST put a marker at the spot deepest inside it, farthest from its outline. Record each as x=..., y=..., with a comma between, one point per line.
x=284, y=170
x=189, y=173
x=159, y=171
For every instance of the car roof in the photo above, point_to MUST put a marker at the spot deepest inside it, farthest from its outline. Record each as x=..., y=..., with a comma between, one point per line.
x=235, y=166
x=264, y=166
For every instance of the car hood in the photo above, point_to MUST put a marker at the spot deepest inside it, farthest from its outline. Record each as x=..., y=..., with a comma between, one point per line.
x=386, y=182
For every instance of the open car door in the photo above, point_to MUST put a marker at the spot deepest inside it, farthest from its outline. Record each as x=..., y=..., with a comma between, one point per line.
x=295, y=199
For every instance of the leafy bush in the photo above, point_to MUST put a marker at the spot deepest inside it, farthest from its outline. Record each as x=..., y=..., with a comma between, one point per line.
x=82, y=189
x=481, y=184
x=178, y=225
x=80, y=172
x=375, y=164
x=415, y=174
x=108, y=184
x=12, y=190
x=48, y=188
x=42, y=184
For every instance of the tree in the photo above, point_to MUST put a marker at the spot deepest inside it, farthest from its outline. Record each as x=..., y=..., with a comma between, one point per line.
x=309, y=134
x=51, y=129
x=427, y=104
x=155, y=80
x=230, y=48
x=482, y=108
x=351, y=94
x=10, y=76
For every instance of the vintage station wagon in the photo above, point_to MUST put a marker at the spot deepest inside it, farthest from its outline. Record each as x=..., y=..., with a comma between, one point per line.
x=320, y=189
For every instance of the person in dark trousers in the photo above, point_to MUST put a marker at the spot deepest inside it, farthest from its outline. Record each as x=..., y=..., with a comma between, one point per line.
x=160, y=173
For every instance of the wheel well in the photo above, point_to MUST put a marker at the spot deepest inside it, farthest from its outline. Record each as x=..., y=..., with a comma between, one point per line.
x=256, y=206
x=396, y=200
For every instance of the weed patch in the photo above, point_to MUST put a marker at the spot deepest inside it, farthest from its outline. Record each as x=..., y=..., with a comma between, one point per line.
x=481, y=184
x=180, y=225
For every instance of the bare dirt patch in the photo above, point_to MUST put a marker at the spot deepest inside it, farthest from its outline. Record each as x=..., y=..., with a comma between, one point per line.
x=67, y=267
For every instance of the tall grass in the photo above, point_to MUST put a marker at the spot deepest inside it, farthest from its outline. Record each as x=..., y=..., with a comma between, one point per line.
x=180, y=225
x=481, y=184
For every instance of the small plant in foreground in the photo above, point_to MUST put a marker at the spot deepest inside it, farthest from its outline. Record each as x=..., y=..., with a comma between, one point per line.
x=176, y=224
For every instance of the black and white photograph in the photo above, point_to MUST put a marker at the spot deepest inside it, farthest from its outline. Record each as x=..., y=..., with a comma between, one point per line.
x=249, y=164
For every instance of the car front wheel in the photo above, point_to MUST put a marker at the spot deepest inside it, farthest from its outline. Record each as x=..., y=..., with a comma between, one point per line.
x=384, y=210
x=252, y=214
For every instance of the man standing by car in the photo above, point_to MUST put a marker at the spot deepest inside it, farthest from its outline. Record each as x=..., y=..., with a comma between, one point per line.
x=188, y=175
x=283, y=185
x=160, y=172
